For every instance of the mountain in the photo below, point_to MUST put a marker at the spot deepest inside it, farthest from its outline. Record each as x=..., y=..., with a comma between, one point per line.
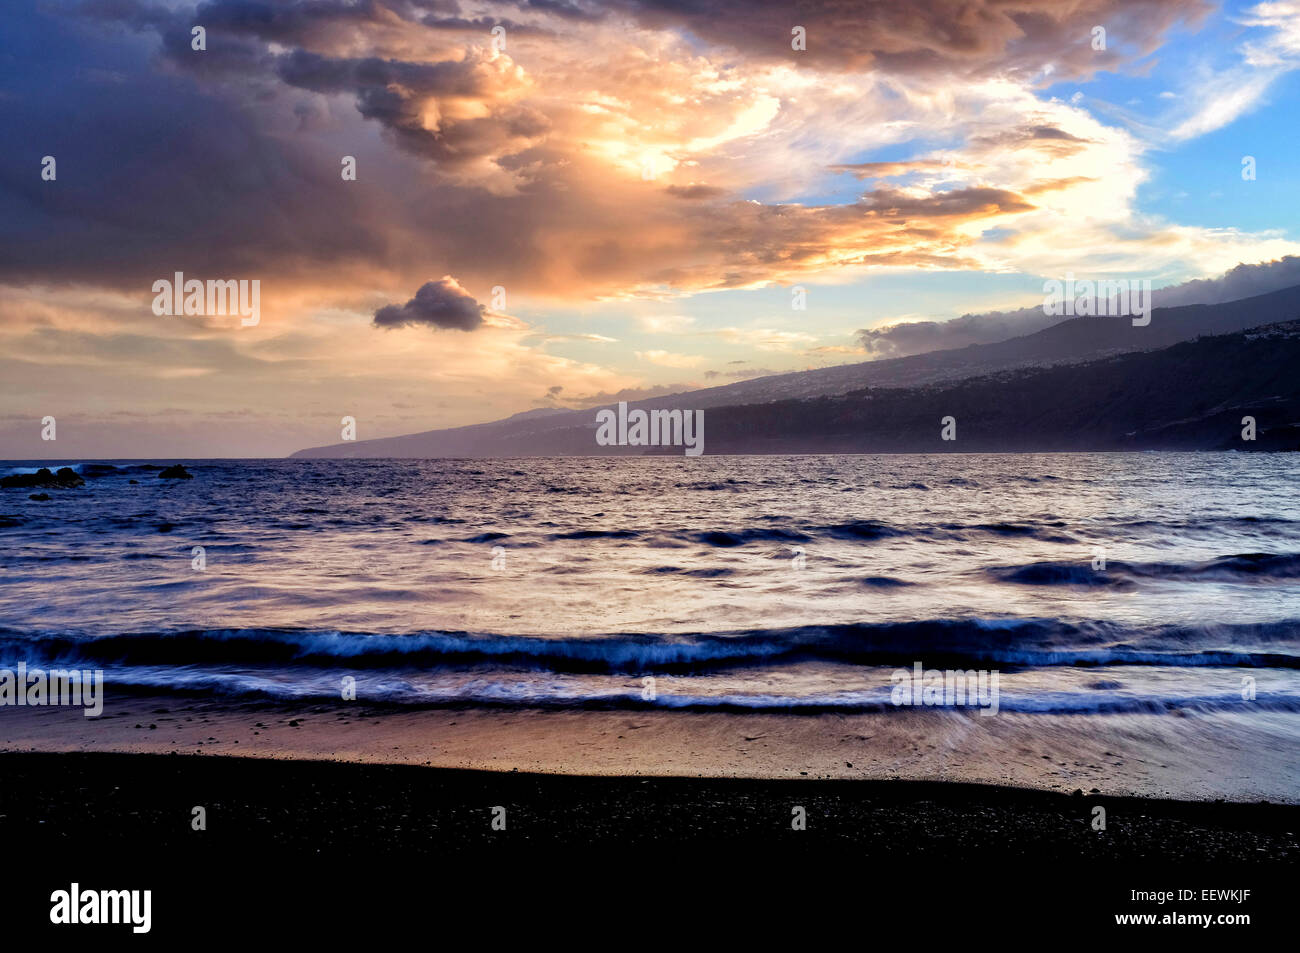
x=1190, y=396
x=1070, y=353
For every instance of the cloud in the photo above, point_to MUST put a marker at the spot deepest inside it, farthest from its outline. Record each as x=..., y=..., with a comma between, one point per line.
x=1046, y=138
x=438, y=304
x=695, y=191
x=971, y=38
x=454, y=112
x=889, y=170
x=919, y=337
x=605, y=398
x=1282, y=46
x=1235, y=93
x=1243, y=281
x=1225, y=95
x=524, y=168
x=666, y=323
x=589, y=338
x=669, y=359
x=741, y=373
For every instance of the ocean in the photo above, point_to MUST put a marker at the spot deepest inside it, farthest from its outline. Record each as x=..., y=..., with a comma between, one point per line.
x=1090, y=583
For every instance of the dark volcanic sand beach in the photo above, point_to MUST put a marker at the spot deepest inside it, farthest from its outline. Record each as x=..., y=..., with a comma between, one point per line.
x=317, y=807
x=340, y=841
x=320, y=808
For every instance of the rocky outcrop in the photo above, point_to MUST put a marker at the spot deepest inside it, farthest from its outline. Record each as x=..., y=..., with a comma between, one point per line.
x=64, y=479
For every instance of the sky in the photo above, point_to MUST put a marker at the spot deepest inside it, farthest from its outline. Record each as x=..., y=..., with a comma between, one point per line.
x=559, y=203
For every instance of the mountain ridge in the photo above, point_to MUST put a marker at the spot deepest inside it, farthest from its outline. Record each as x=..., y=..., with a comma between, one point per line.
x=1072, y=342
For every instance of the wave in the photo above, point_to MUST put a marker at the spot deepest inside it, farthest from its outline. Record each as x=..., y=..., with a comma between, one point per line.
x=871, y=530
x=514, y=694
x=861, y=529
x=884, y=582
x=941, y=643
x=714, y=572
x=597, y=534
x=89, y=470
x=739, y=537
x=1237, y=567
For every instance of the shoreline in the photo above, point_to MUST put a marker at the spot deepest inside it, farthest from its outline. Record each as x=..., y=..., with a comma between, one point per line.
x=1193, y=757
x=357, y=812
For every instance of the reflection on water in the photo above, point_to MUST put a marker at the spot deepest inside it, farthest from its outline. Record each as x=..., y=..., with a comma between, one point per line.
x=739, y=581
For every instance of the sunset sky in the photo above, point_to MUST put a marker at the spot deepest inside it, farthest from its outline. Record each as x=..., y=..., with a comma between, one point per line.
x=647, y=181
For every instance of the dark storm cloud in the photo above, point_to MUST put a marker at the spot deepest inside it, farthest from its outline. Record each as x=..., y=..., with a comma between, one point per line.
x=588, y=12
x=398, y=95
x=226, y=163
x=153, y=176
x=975, y=37
x=331, y=23
x=438, y=304
x=163, y=170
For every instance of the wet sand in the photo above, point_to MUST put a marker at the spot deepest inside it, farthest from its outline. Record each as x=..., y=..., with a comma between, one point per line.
x=1192, y=757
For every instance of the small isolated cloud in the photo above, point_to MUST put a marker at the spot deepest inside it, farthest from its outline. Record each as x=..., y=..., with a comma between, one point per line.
x=438, y=304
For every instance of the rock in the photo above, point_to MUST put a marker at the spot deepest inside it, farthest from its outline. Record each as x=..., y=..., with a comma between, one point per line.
x=176, y=472
x=38, y=497
x=44, y=479
x=137, y=483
